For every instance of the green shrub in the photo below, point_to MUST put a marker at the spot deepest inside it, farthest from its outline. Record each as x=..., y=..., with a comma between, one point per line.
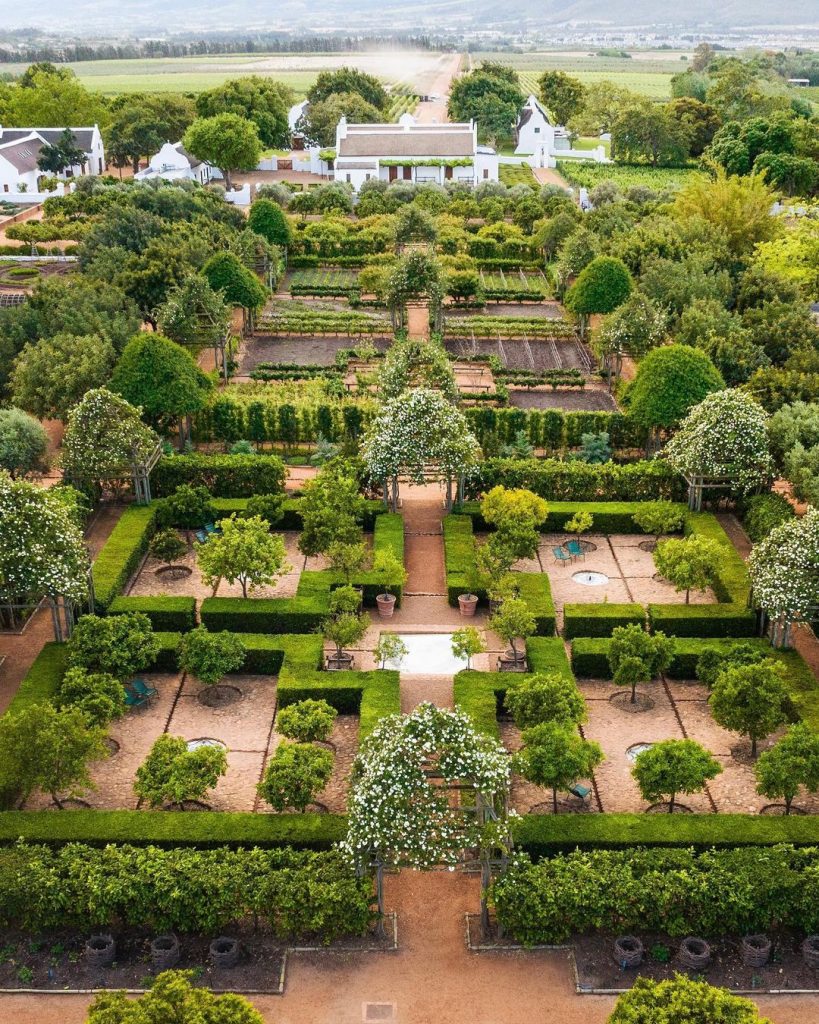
x=264, y=614
x=580, y=481
x=370, y=695
x=763, y=512
x=122, y=552
x=705, y=620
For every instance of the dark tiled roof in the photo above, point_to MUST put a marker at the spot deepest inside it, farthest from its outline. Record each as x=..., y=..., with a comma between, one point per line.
x=83, y=137
x=22, y=155
x=194, y=161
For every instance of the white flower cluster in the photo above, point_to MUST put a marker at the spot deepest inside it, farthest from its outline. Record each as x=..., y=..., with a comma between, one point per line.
x=104, y=438
x=726, y=435
x=42, y=552
x=784, y=568
x=396, y=812
x=416, y=429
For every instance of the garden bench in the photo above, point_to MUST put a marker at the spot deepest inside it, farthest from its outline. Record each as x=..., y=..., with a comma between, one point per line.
x=580, y=791
x=575, y=550
x=561, y=555
x=208, y=530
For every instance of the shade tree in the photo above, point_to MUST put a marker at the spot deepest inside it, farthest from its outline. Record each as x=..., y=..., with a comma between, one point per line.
x=659, y=517
x=602, y=286
x=228, y=141
x=332, y=509
x=751, y=700
x=210, y=656
x=689, y=564
x=516, y=514
x=23, y=443
x=671, y=767
x=121, y=645
x=244, y=551
x=262, y=100
x=555, y=756
x=51, y=375
x=545, y=697
x=791, y=763
x=174, y=775
x=467, y=643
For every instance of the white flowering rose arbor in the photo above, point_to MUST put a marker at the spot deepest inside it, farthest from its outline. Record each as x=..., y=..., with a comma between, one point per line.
x=428, y=790
x=417, y=434
x=784, y=570
x=722, y=443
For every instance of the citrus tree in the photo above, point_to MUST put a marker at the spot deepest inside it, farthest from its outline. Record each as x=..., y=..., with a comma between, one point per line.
x=671, y=767
x=690, y=563
x=556, y=756
x=789, y=764
x=682, y=1000
x=245, y=552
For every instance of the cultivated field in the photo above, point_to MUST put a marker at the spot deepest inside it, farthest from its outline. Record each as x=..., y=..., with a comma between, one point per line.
x=299, y=71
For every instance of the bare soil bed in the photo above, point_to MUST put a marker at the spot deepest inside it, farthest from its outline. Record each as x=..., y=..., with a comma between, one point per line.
x=597, y=968
x=308, y=350
x=56, y=960
x=568, y=399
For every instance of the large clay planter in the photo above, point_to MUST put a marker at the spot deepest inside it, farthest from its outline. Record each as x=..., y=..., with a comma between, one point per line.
x=165, y=952
x=467, y=603
x=386, y=605
x=100, y=951
x=628, y=951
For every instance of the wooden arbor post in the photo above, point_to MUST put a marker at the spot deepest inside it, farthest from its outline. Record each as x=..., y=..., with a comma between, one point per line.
x=141, y=474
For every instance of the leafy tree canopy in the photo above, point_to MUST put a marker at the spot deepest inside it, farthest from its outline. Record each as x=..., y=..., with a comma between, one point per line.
x=264, y=101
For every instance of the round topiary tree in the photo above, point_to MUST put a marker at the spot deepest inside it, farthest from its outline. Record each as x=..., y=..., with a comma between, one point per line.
x=306, y=720
x=682, y=1000
x=689, y=564
x=267, y=219
x=554, y=755
x=671, y=379
x=784, y=570
x=602, y=286
x=724, y=437
x=671, y=767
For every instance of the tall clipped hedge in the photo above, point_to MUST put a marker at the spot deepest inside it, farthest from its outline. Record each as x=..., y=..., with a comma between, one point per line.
x=578, y=481
x=676, y=891
x=553, y=428
x=225, y=476
x=230, y=417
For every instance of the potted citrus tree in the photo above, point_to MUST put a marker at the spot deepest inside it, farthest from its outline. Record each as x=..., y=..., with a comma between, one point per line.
x=389, y=572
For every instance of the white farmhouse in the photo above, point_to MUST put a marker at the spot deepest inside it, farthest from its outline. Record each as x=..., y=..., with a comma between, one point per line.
x=20, y=149
x=174, y=163
x=408, y=151
x=536, y=133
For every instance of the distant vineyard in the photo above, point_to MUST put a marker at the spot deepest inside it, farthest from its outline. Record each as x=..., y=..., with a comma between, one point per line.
x=402, y=100
x=587, y=174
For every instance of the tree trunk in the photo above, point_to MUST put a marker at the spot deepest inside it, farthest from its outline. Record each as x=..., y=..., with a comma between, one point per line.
x=57, y=802
x=634, y=693
x=554, y=799
x=753, y=746
x=671, y=804
x=687, y=596
x=243, y=581
x=788, y=802
x=134, y=164
x=228, y=179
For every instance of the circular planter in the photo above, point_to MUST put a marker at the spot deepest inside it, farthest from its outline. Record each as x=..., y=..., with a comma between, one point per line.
x=810, y=951
x=694, y=953
x=112, y=746
x=622, y=700
x=663, y=808
x=165, y=952
x=100, y=951
x=173, y=572
x=219, y=696
x=386, y=605
x=780, y=809
x=628, y=951
x=507, y=662
x=340, y=662
x=755, y=950
x=467, y=603
x=224, y=952
x=647, y=545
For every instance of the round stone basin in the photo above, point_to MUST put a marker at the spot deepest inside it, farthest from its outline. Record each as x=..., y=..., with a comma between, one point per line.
x=205, y=741
x=634, y=751
x=590, y=579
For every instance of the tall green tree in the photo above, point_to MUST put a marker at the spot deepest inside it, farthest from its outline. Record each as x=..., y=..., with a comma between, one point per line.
x=227, y=141
x=751, y=700
x=23, y=443
x=52, y=375
x=555, y=756
x=671, y=767
x=346, y=80
x=652, y=134
x=264, y=101
x=561, y=94
x=789, y=764
x=245, y=552
x=601, y=287
x=320, y=119
x=689, y=564
x=162, y=378
x=267, y=219
x=226, y=273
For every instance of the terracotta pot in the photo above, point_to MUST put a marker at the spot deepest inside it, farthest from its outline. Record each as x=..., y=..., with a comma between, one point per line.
x=386, y=605
x=467, y=604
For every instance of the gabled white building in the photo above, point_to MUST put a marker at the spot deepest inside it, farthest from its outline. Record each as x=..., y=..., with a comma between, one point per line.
x=20, y=150
x=535, y=132
x=174, y=163
x=408, y=151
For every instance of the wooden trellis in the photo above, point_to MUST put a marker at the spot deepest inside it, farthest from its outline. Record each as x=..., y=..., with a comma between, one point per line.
x=455, y=487
x=697, y=485
x=141, y=474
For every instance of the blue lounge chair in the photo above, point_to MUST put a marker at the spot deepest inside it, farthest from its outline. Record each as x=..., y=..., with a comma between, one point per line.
x=580, y=790
x=201, y=536
x=575, y=550
x=134, y=700
x=143, y=689
x=561, y=555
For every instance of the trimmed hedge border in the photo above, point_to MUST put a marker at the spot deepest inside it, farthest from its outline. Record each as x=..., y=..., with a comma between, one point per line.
x=599, y=619
x=167, y=614
x=459, y=552
x=371, y=695
x=122, y=552
x=226, y=476
x=205, y=829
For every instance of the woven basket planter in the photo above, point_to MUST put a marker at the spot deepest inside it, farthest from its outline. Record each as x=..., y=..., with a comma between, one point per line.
x=755, y=950
x=628, y=951
x=224, y=952
x=694, y=953
x=810, y=951
x=165, y=952
x=100, y=951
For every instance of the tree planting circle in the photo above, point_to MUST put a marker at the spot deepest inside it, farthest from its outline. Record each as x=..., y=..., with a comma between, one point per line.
x=219, y=696
x=623, y=702
x=662, y=808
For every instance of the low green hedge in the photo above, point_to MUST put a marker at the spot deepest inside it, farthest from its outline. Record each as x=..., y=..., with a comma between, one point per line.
x=265, y=654
x=609, y=516
x=371, y=695
x=480, y=694
x=121, y=553
x=291, y=509
x=459, y=556
x=43, y=679
x=264, y=614
x=206, y=829
x=704, y=620
x=599, y=619
x=167, y=614
x=545, y=835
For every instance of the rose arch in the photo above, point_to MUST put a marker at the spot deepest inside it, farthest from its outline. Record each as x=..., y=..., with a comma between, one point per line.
x=427, y=790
